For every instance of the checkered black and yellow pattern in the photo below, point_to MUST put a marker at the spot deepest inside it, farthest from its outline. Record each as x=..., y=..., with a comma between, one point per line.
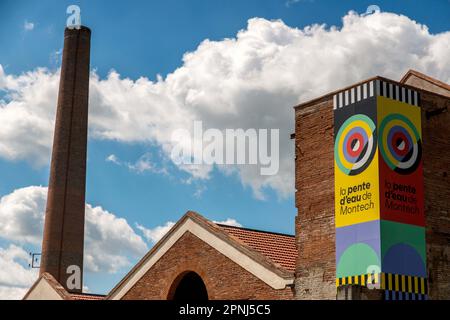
x=361, y=280
x=411, y=284
x=388, y=281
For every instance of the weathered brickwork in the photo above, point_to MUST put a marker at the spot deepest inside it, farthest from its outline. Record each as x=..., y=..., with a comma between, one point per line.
x=314, y=178
x=63, y=238
x=436, y=164
x=223, y=278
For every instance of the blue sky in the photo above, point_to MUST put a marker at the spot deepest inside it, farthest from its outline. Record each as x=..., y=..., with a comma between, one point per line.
x=158, y=33
x=146, y=38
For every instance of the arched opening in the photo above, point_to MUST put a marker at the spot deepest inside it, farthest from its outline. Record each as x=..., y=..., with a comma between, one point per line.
x=188, y=286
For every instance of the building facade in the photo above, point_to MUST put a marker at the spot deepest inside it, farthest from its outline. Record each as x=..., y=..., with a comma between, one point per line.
x=327, y=258
x=315, y=194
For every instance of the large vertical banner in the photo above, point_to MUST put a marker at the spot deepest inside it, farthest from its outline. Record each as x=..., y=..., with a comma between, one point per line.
x=379, y=201
x=357, y=205
x=401, y=172
x=403, y=249
x=356, y=163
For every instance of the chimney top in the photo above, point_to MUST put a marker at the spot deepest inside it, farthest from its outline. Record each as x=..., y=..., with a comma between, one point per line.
x=71, y=31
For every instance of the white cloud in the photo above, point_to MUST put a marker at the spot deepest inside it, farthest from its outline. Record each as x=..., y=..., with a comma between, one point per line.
x=12, y=270
x=144, y=163
x=12, y=293
x=147, y=163
x=27, y=114
x=114, y=159
x=155, y=234
x=22, y=215
x=28, y=26
x=110, y=242
x=229, y=222
x=15, y=277
x=250, y=81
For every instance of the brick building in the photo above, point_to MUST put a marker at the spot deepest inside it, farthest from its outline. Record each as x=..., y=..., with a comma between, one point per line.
x=315, y=222
x=226, y=262
x=203, y=260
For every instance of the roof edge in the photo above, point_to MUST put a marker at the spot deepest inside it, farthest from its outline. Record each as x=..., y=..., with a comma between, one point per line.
x=256, y=230
x=408, y=74
x=54, y=284
x=314, y=100
x=213, y=228
x=425, y=77
x=147, y=255
x=244, y=248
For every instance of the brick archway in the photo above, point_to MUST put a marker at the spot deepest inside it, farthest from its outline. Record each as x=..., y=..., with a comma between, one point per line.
x=188, y=286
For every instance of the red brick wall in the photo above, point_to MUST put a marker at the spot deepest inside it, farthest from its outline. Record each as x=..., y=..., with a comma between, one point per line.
x=314, y=198
x=436, y=164
x=63, y=239
x=223, y=278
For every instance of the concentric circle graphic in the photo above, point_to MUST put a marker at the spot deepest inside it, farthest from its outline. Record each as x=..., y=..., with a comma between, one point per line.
x=355, y=144
x=400, y=143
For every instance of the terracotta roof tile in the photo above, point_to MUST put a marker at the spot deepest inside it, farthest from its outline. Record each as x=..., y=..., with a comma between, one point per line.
x=84, y=296
x=279, y=248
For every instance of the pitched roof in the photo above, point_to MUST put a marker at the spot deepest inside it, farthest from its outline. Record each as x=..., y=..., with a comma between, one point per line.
x=257, y=257
x=279, y=248
x=54, y=285
x=422, y=76
x=249, y=248
x=61, y=291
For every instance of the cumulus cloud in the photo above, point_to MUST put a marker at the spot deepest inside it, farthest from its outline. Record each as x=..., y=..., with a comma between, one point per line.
x=22, y=215
x=12, y=293
x=27, y=112
x=249, y=81
x=15, y=277
x=155, y=234
x=12, y=270
x=110, y=242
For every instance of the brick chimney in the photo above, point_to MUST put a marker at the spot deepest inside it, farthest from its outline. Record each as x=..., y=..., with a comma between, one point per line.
x=63, y=241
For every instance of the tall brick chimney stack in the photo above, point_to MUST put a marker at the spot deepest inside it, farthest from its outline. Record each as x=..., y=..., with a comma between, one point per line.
x=63, y=240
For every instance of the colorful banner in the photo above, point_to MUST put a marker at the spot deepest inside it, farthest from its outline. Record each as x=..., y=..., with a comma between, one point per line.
x=400, y=162
x=358, y=249
x=379, y=195
x=356, y=164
